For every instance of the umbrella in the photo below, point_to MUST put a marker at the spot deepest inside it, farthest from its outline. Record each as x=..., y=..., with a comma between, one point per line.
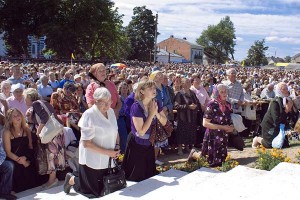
x=118, y=65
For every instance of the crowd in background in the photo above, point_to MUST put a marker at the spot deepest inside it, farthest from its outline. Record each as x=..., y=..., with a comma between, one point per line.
x=198, y=100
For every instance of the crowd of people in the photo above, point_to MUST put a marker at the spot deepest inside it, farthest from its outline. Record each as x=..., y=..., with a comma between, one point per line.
x=109, y=111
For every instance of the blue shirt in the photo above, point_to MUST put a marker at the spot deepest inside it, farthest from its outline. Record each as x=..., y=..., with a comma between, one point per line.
x=44, y=91
x=163, y=98
x=15, y=81
x=2, y=152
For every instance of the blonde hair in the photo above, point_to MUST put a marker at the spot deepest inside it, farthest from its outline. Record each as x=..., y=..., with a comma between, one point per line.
x=32, y=94
x=94, y=67
x=142, y=86
x=8, y=121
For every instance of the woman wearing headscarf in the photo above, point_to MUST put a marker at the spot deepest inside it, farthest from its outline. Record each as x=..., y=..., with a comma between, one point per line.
x=279, y=112
x=218, y=124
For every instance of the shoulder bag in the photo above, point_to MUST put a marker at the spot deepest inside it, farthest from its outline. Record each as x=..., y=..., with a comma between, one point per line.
x=114, y=180
x=159, y=132
x=52, y=127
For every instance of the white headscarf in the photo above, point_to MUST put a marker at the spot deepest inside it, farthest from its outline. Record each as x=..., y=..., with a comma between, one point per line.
x=278, y=93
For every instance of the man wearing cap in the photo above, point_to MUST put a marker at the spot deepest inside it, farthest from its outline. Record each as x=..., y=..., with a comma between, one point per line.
x=77, y=78
x=17, y=100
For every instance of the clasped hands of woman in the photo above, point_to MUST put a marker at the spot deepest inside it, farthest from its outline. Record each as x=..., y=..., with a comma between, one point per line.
x=23, y=161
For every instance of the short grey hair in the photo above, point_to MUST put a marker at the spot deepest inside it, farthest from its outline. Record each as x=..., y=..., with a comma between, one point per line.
x=101, y=93
x=43, y=77
x=4, y=83
x=229, y=71
x=221, y=86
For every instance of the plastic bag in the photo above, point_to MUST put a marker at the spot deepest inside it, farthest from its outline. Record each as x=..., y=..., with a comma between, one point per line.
x=279, y=139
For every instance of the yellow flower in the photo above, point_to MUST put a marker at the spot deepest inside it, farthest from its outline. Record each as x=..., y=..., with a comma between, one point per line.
x=287, y=159
x=227, y=157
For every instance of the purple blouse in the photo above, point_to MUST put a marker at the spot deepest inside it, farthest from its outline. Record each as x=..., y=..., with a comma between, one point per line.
x=138, y=111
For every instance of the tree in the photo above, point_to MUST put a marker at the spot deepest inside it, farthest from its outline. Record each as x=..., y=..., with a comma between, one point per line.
x=88, y=28
x=218, y=40
x=256, y=54
x=288, y=59
x=141, y=33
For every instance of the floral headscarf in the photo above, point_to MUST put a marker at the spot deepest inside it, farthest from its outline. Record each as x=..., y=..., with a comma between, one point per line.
x=215, y=95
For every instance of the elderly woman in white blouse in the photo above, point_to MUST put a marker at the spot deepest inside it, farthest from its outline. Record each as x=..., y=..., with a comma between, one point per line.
x=99, y=141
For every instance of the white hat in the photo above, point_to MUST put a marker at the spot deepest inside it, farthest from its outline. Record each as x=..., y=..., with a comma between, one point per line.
x=77, y=76
x=17, y=86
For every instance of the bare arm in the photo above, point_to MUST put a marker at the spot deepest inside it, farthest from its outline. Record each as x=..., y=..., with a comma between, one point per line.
x=91, y=146
x=7, y=146
x=140, y=126
x=162, y=118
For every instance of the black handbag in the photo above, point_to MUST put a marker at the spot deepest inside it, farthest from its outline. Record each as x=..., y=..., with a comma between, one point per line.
x=114, y=180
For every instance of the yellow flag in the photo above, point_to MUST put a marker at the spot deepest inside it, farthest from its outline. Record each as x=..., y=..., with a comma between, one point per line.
x=72, y=56
x=243, y=63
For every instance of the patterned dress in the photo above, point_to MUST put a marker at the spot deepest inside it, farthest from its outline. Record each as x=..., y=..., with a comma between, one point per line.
x=63, y=104
x=215, y=141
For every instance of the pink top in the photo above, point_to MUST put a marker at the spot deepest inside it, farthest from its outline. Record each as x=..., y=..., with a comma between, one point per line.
x=20, y=105
x=201, y=95
x=111, y=88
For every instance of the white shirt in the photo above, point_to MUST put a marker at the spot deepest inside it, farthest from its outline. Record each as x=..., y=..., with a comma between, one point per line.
x=103, y=133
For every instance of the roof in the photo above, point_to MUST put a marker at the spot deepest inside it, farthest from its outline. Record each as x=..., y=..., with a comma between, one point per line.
x=183, y=40
x=296, y=56
x=162, y=52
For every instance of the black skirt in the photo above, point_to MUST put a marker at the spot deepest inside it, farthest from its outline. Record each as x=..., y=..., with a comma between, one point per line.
x=139, y=160
x=89, y=182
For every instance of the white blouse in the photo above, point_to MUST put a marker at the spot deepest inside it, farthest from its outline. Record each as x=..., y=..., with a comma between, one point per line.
x=102, y=132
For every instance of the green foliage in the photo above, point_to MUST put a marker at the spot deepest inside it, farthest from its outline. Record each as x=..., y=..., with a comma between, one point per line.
x=89, y=28
x=218, y=40
x=256, y=54
x=141, y=33
x=288, y=59
x=268, y=159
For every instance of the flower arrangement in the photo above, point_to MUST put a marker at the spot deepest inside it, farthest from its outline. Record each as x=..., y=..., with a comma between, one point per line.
x=185, y=166
x=228, y=164
x=268, y=159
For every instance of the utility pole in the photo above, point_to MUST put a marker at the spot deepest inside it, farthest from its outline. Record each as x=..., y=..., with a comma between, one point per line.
x=155, y=38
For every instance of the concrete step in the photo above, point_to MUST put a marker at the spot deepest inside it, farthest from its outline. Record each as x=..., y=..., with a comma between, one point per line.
x=55, y=193
x=152, y=185
x=221, y=186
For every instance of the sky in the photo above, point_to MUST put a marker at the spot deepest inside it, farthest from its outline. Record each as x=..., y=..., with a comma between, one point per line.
x=276, y=21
